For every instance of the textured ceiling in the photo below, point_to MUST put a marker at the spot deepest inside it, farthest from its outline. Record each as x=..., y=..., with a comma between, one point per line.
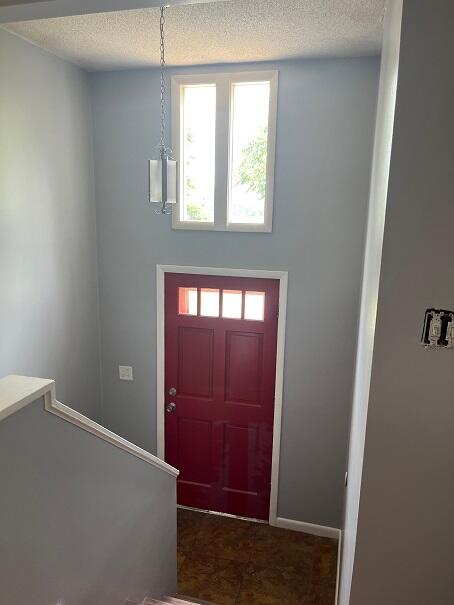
x=220, y=32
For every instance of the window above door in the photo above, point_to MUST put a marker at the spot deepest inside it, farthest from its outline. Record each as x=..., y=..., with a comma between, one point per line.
x=223, y=135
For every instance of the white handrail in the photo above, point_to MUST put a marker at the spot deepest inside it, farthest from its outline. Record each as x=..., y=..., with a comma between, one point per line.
x=17, y=392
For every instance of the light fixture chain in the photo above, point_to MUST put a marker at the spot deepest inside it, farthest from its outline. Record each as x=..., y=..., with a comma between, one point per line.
x=165, y=153
x=163, y=85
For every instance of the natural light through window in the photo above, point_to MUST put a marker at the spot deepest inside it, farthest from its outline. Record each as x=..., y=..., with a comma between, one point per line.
x=187, y=301
x=254, y=305
x=248, y=152
x=198, y=152
x=209, y=302
x=232, y=303
x=223, y=137
x=229, y=304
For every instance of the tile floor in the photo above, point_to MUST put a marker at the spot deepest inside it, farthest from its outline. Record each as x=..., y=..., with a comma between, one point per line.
x=231, y=562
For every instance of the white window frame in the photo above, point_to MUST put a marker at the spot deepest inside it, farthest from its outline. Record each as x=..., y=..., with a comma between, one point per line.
x=224, y=106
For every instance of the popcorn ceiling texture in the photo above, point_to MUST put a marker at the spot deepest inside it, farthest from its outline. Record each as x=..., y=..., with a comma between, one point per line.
x=220, y=32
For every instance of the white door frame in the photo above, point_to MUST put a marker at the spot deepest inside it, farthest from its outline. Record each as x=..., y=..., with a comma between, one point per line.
x=282, y=276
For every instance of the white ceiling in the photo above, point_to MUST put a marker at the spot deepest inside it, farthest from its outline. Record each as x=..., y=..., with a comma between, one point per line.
x=219, y=32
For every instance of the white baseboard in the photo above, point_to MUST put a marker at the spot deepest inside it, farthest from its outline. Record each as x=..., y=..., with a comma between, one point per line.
x=339, y=555
x=308, y=528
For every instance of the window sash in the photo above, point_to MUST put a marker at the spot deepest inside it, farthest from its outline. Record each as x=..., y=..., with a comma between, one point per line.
x=224, y=103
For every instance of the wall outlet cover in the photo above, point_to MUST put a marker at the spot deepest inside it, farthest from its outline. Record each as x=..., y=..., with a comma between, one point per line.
x=125, y=373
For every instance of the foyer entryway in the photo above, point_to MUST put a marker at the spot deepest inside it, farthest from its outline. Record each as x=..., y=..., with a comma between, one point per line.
x=220, y=373
x=231, y=562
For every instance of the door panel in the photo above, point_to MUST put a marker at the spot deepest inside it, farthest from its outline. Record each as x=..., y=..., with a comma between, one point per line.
x=195, y=371
x=243, y=367
x=194, y=451
x=240, y=452
x=222, y=366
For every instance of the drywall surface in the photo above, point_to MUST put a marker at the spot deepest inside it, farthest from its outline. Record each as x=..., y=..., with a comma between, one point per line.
x=371, y=277
x=326, y=116
x=405, y=536
x=48, y=259
x=82, y=521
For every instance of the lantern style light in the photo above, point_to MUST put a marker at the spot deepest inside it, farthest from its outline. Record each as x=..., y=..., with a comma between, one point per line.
x=163, y=183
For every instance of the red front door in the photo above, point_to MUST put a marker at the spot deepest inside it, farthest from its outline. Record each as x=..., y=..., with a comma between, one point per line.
x=220, y=364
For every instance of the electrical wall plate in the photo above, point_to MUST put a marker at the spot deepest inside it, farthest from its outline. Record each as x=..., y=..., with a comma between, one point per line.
x=438, y=329
x=125, y=373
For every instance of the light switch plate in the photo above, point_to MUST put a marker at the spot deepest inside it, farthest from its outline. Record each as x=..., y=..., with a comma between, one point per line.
x=438, y=331
x=125, y=373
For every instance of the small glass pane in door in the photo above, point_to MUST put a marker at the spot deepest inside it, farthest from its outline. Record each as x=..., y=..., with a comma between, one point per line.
x=254, y=306
x=209, y=302
x=187, y=301
x=232, y=302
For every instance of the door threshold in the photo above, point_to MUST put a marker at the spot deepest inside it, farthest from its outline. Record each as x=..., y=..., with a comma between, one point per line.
x=215, y=512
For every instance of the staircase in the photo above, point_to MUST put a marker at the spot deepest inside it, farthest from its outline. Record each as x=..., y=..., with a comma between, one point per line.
x=46, y=443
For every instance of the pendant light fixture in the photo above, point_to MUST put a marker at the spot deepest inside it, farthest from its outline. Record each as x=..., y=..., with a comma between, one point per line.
x=163, y=170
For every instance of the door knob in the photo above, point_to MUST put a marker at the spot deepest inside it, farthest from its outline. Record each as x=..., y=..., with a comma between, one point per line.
x=170, y=407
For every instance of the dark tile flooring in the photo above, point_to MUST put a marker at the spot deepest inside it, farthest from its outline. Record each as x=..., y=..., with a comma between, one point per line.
x=231, y=562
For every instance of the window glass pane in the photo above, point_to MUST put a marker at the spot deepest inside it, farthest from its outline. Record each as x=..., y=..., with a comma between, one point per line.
x=232, y=303
x=254, y=305
x=248, y=152
x=198, y=152
x=187, y=301
x=209, y=302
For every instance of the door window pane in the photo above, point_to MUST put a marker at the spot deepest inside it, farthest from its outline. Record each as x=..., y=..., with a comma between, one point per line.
x=232, y=302
x=198, y=152
x=209, y=302
x=187, y=301
x=248, y=152
x=254, y=306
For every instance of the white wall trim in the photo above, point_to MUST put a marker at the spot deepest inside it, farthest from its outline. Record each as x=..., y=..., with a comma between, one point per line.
x=282, y=276
x=339, y=558
x=18, y=391
x=308, y=528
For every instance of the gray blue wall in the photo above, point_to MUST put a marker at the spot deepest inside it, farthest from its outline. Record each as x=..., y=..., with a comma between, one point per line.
x=48, y=261
x=326, y=117
x=405, y=536
x=82, y=522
